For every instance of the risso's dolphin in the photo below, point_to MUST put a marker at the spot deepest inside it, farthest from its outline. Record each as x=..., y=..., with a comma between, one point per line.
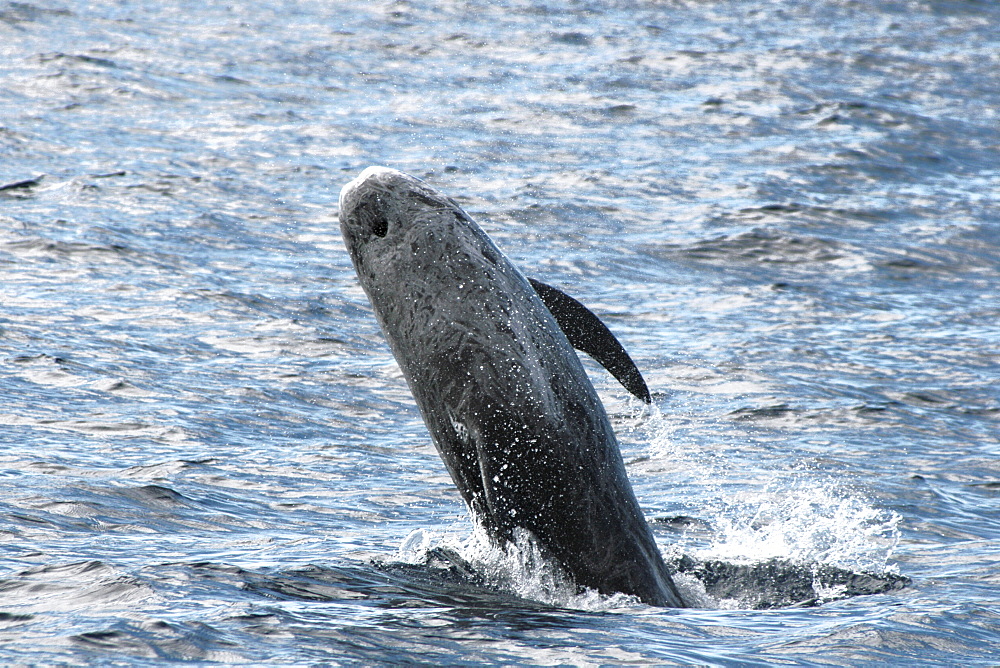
x=488, y=355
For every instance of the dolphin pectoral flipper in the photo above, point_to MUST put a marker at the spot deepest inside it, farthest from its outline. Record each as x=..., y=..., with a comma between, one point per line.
x=587, y=333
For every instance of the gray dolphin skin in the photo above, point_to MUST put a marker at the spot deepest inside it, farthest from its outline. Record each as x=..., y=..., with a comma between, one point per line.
x=488, y=355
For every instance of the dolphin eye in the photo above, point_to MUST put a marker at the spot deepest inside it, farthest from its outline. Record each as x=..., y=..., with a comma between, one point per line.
x=380, y=226
x=369, y=213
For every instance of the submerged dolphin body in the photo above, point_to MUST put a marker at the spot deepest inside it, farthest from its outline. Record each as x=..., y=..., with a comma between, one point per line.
x=488, y=355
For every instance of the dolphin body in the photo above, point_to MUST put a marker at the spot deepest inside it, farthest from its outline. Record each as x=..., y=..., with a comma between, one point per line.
x=488, y=355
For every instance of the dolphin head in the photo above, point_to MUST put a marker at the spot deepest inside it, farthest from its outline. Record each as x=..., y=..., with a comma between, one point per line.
x=397, y=229
x=382, y=206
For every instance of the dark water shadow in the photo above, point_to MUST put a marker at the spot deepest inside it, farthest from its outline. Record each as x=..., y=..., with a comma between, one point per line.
x=778, y=583
x=442, y=582
x=446, y=580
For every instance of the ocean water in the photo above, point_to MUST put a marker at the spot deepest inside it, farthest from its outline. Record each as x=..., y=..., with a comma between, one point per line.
x=788, y=213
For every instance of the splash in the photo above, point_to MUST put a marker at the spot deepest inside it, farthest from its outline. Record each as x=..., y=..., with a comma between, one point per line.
x=796, y=542
x=760, y=509
x=520, y=568
x=762, y=534
x=805, y=520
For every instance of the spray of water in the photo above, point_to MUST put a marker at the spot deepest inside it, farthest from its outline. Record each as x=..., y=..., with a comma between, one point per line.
x=520, y=568
x=759, y=509
x=805, y=520
x=755, y=515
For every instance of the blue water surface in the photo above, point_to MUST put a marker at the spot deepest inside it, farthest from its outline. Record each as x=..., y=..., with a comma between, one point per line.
x=788, y=212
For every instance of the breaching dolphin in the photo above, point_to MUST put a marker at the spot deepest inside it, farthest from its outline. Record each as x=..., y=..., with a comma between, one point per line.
x=488, y=355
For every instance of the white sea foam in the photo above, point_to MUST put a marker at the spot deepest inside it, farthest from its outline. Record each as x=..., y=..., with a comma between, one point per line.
x=805, y=520
x=776, y=512
x=520, y=567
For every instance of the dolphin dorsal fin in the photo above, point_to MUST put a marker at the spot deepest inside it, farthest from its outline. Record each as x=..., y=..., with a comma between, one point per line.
x=587, y=333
